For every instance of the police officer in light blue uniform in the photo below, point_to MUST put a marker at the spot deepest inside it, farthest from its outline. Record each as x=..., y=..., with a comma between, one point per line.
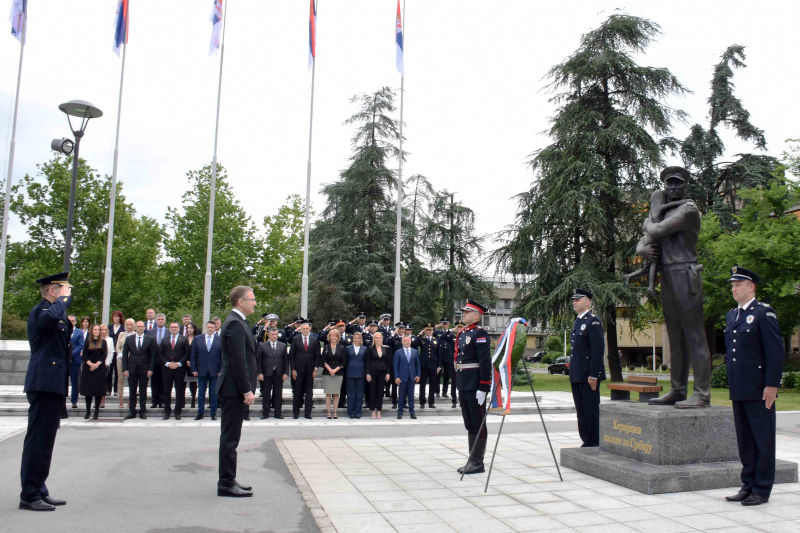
x=586, y=367
x=754, y=357
x=49, y=334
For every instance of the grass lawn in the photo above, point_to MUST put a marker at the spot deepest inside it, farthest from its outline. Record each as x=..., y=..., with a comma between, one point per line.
x=788, y=399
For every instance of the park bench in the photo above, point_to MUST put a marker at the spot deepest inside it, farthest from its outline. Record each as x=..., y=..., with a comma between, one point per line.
x=646, y=386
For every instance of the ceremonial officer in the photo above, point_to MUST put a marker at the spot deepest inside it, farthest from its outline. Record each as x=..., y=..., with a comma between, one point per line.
x=447, y=347
x=474, y=379
x=430, y=363
x=49, y=334
x=259, y=330
x=754, y=357
x=586, y=367
x=371, y=329
x=385, y=327
x=358, y=324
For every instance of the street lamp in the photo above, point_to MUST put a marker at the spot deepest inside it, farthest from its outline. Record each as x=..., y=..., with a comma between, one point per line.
x=84, y=111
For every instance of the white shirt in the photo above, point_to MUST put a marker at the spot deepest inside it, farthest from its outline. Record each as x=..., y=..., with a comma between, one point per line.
x=239, y=313
x=745, y=306
x=110, y=353
x=584, y=313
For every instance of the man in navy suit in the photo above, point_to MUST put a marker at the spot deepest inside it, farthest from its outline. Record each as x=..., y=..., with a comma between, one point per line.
x=406, y=373
x=139, y=355
x=75, y=362
x=754, y=357
x=206, y=356
x=156, y=383
x=304, y=357
x=49, y=333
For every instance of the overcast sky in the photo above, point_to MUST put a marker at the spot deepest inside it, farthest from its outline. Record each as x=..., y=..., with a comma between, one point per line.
x=475, y=97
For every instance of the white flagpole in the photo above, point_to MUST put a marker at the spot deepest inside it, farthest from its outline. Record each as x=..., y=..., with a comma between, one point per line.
x=112, y=202
x=304, y=283
x=7, y=202
x=399, y=236
x=212, y=190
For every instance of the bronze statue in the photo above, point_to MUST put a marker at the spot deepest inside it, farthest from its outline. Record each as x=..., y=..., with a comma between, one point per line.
x=671, y=243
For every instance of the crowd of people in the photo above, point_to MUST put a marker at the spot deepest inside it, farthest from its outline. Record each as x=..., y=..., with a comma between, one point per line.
x=356, y=361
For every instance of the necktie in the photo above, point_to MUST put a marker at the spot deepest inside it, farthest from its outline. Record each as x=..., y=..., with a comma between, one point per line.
x=274, y=347
x=208, y=342
x=305, y=343
x=138, y=343
x=408, y=355
x=173, y=342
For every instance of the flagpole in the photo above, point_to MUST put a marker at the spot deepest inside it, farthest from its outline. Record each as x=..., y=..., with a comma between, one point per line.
x=304, y=283
x=113, y=201
x=7, y=201
x=212, y=189
x=398, y=235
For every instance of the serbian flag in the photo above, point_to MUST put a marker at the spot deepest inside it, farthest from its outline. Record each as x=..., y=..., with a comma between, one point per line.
x=503, y=372
x=19, y=8
x=121, y=26
x=312, y=33
x=216, y=29
x=398, y=37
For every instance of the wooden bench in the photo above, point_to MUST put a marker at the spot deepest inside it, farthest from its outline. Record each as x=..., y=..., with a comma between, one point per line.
x=646, y=386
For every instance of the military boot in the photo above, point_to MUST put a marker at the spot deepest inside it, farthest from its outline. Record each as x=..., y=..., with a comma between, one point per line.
x=475, y=465
x=471, y=439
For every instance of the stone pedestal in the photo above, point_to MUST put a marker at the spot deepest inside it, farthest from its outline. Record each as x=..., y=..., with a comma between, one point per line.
x=656, y=449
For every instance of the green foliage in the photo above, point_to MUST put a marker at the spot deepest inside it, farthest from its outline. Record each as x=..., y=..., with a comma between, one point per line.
x=649, y=361
x=40, y=202
x=554, y=343
x=719, y=377
x=576, y=225
x=550, y=357
x=767, y=242
x=235, y=251
x=791, y=380
x=14, y=327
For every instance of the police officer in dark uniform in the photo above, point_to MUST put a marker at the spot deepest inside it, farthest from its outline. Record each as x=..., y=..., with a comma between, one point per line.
x=430, y=364
x=290, y=330
x=369, y=330
x=385, y=326
x=474, y=379
x=260, y=328
x=754, y=357
x=357, y=324
x=49, y=334
x=586, y=367
x=447, y=347
x=395, y=343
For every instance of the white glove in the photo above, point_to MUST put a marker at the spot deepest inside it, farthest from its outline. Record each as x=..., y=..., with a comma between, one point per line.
x=480, y=396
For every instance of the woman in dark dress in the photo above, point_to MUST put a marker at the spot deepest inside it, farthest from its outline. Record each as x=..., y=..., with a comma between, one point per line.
x=190, y=378
x=93, y=371
x=333, y=358
x=377, y=373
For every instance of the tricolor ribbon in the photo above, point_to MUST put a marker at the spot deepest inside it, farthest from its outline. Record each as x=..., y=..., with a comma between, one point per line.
x=503, y=373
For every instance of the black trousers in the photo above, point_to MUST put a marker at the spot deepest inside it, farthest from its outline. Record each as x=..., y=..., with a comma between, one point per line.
x=112, y=376
x=755, y=435
x=472, y=413
x=156, y=384
x=137, y=381
x=233, y=409
x=44, y=414
x=449, y=378
x=173, y=378
x=375, y=388
x=587, y=406
x=428, y=377
x=303, y=392
x=272, y=393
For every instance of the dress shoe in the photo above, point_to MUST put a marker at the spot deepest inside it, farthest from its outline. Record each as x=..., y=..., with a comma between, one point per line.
x=263, y=417
x=129, y=416
x=445, y=395
x=233, y=492
x=295, y=416
x=739, y=496
x=142, y=416
x=694, y=402
x=86, y=416
x=422, y=406
x=399, y=416
x=213, y=416
x=74, y=405
x=394, y=406
x=413, y=416
x=199, y=416
x=166, y=416
x=53, y=501
x=38, y=505
x=246, y=417
x=177, y=417
x=307, y=416
x=474, y=468
x=154, y=406
x=243, y=487
x=431, y=406
x=454, y=405
x=755, y=499
x=280, y=416
x=669, y=398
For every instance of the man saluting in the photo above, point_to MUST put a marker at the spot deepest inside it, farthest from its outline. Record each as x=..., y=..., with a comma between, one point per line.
x=49, y=333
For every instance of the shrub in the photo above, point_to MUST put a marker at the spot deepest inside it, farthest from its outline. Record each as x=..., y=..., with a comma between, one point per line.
x=554, y=344
x=719, y=377
x=649, y=360
x=14, y=328
x=791, y=380
x=664, y=367
x=549, y=357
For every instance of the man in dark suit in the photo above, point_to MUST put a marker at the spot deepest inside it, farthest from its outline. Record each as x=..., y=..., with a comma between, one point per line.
x=156, y=384
x=173, y=353
x=206, y=353
x=586, y=367
x=236, y=386
x=754, y=357
x=150, y=323
x=304, y=357
x=139, y=355
x=406, y=373
x=49, y=334
x=272, y=366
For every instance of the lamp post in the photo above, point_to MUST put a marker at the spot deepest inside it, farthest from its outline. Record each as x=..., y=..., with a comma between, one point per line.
x=84, y=111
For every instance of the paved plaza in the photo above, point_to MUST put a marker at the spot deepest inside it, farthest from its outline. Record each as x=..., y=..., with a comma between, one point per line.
x=356, y=475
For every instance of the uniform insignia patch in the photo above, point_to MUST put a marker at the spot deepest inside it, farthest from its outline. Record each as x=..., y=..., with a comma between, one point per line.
x=773, y=315
x=750, y=319
x=596, y=323
x=468, y=339
x=480, y=339
x=583, y=327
